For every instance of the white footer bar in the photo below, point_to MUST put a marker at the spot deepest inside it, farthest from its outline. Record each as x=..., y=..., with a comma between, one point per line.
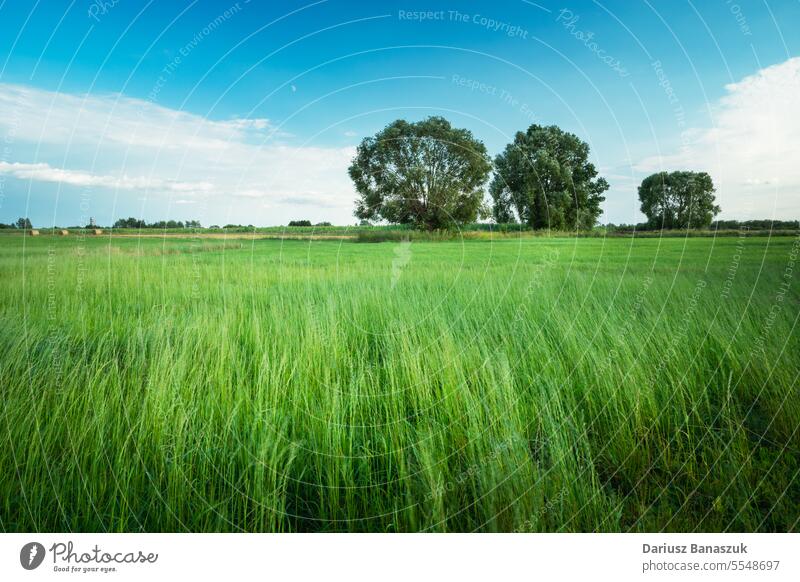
x=372, y=557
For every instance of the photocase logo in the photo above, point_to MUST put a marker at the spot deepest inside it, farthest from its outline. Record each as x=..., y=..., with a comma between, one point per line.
x=31, y=555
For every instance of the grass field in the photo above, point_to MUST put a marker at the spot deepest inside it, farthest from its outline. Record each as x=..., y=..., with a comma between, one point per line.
x=523, y=384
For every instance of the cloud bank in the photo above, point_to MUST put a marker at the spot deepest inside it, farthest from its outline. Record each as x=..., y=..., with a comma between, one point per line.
x=116, y=144
x=751, y=151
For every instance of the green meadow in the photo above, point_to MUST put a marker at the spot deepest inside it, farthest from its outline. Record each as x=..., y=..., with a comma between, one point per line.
x=510, y=384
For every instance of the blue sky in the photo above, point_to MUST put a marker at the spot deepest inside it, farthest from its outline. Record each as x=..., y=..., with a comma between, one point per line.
x=249, y=112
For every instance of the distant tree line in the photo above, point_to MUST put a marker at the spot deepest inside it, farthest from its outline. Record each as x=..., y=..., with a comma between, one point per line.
x=307, y=223
x=139, y=223
x=756, y=224
x=21, y=223
x=716, y=225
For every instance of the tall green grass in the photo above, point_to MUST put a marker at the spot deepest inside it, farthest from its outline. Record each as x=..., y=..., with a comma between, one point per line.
x=490, y=385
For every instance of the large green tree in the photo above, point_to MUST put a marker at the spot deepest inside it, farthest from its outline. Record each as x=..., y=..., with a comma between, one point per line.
x=678, y=200
x=545, y=180
x=428, y=174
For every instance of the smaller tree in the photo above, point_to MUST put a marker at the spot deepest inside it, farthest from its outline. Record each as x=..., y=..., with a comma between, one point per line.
x=24, y=223
x=678, y=200
x=545, y=179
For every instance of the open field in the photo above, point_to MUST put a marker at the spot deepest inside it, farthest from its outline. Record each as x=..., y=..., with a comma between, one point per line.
x=535, y=384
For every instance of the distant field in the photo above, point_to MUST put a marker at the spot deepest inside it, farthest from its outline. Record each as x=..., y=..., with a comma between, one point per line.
x=378, y=233
x=517, y=384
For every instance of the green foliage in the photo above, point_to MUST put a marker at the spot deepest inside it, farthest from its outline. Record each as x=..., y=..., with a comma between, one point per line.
x=766, y=224
x=545, y=180
x=547, y=384
x=300, y=223
x=427, y=174
x=138, y=223
x=678, y=200
x=130, y=223
x=23, y=224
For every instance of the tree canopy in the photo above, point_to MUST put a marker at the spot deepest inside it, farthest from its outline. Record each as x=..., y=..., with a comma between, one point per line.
x=427, y=173
x=544, y=179
x=132, y=222
x=678, y=200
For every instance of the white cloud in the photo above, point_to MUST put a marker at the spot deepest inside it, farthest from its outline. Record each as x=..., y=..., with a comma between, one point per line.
x=751, y=151
x=42, y=172
x=122, y=144
x=256, y=123
x=113, y=119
